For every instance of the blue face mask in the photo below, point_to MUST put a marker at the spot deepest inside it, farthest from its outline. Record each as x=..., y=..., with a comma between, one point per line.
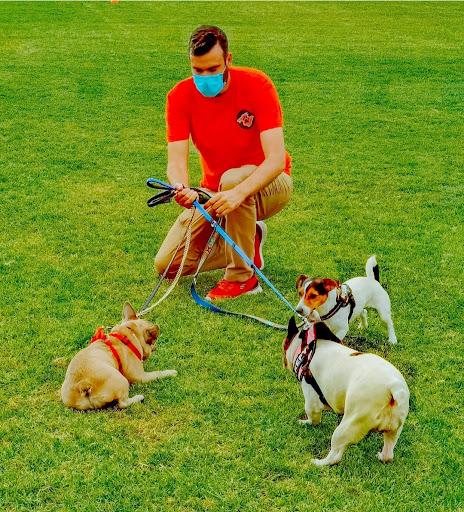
x=210, y=85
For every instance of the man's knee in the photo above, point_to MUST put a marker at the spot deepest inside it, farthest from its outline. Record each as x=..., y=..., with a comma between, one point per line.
x=233, y=177
x=161, y=262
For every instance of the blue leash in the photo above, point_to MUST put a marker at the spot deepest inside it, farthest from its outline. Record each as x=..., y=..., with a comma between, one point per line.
x=154, y=183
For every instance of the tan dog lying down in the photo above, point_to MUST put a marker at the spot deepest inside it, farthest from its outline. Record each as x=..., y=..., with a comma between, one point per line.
x=102, y=372
x=369, y=392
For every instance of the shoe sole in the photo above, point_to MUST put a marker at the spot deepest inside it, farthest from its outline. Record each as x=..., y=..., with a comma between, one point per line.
x=254, y=291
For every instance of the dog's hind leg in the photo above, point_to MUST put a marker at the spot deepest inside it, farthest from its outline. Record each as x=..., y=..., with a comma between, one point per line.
x=119, y=386
x=382, y=304
x=347, y=433
x=389, y=442
x=363, y=321
x=385, y=315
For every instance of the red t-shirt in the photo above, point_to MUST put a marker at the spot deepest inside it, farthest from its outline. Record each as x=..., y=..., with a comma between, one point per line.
x=225, y=129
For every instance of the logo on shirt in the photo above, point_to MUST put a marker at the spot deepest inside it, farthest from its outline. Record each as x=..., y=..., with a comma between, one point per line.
x=245, y=119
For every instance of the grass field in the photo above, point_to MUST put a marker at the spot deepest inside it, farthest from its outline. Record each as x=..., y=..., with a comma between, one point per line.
x=373, y=99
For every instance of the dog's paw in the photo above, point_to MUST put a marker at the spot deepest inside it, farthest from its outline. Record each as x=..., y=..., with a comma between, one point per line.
x=318, y=462
x=304, y=420
x=381, y=458
x=171, y=373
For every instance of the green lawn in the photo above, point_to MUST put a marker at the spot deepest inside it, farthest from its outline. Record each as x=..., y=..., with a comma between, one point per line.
x=373, y=99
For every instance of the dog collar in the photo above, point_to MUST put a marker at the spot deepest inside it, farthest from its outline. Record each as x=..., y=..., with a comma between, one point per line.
x=344, y=298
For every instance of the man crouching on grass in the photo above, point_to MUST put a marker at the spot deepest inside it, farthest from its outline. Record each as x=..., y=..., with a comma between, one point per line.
x=234, y=117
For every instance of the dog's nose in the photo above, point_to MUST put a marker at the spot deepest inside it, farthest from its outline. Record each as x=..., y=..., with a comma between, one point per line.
x=299, y=310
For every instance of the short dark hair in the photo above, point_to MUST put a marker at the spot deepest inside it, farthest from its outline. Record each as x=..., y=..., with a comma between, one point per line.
x=206, y=37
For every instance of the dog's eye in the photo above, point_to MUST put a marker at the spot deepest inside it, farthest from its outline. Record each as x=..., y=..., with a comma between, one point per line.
x=312, y=296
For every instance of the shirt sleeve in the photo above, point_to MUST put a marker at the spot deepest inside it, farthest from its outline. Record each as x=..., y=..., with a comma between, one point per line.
x=268, y=109
x=177, y=115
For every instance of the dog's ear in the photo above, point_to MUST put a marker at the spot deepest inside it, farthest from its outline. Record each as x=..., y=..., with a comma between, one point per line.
x=292, y=328
x=330, y=284
x=152, y=334
x=128, y=312
x=300, y=281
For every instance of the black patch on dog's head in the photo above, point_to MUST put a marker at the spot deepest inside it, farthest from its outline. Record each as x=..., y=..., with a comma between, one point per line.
x=319, y=287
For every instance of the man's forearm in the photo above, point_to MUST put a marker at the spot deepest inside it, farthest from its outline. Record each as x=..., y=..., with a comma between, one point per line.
x=262, y=176
x=177, y=174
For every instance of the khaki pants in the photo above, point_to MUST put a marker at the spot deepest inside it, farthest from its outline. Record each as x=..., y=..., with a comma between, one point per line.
x=240, y=226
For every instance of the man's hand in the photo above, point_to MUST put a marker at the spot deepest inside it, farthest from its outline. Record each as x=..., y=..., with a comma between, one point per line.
x=185, y=196
x=225, y=202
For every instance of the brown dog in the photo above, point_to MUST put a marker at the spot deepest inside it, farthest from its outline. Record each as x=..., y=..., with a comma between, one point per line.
x=102, y=372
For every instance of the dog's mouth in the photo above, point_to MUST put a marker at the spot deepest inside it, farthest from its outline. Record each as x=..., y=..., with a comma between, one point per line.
x=311, y=314
x=314, y=316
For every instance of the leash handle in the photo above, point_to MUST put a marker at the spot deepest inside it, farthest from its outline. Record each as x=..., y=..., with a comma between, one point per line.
x=169, y=192
x=158, y=184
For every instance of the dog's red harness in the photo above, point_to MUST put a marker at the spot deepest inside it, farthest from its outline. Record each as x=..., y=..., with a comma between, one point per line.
x=101, y=336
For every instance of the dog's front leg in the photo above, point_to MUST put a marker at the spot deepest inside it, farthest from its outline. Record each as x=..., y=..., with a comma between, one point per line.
x=150, y=376
x=313, y=406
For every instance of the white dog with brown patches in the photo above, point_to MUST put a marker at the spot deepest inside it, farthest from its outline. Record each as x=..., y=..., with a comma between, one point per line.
x=369, y=392
x=337, y=304
x=102, y=372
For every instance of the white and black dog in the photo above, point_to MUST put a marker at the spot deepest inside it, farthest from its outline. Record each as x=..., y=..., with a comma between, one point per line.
x=369, y=392
x=337, y=304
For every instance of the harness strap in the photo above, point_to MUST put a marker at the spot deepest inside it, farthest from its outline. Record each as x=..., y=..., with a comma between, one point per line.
x=305, y=353
x=312, y=382
x=101, y=336
x=127, y=342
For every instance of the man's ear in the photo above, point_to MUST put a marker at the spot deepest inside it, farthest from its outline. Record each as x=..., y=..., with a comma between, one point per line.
x=128, y=312
x=300, y=281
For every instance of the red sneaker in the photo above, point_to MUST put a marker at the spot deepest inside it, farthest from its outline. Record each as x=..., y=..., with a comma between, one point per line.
x=232, y=289
x=260, y=238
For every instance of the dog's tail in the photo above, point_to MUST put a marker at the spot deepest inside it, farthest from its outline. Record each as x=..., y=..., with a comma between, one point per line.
x=84, y=388
x=393, y=414
x=372, y=269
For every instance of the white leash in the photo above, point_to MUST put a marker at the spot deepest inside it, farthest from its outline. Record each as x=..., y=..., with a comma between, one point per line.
x=187, y=236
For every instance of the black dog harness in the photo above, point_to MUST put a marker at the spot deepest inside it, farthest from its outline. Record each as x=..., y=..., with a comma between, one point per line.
x=305, y=352
x=344, y=298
